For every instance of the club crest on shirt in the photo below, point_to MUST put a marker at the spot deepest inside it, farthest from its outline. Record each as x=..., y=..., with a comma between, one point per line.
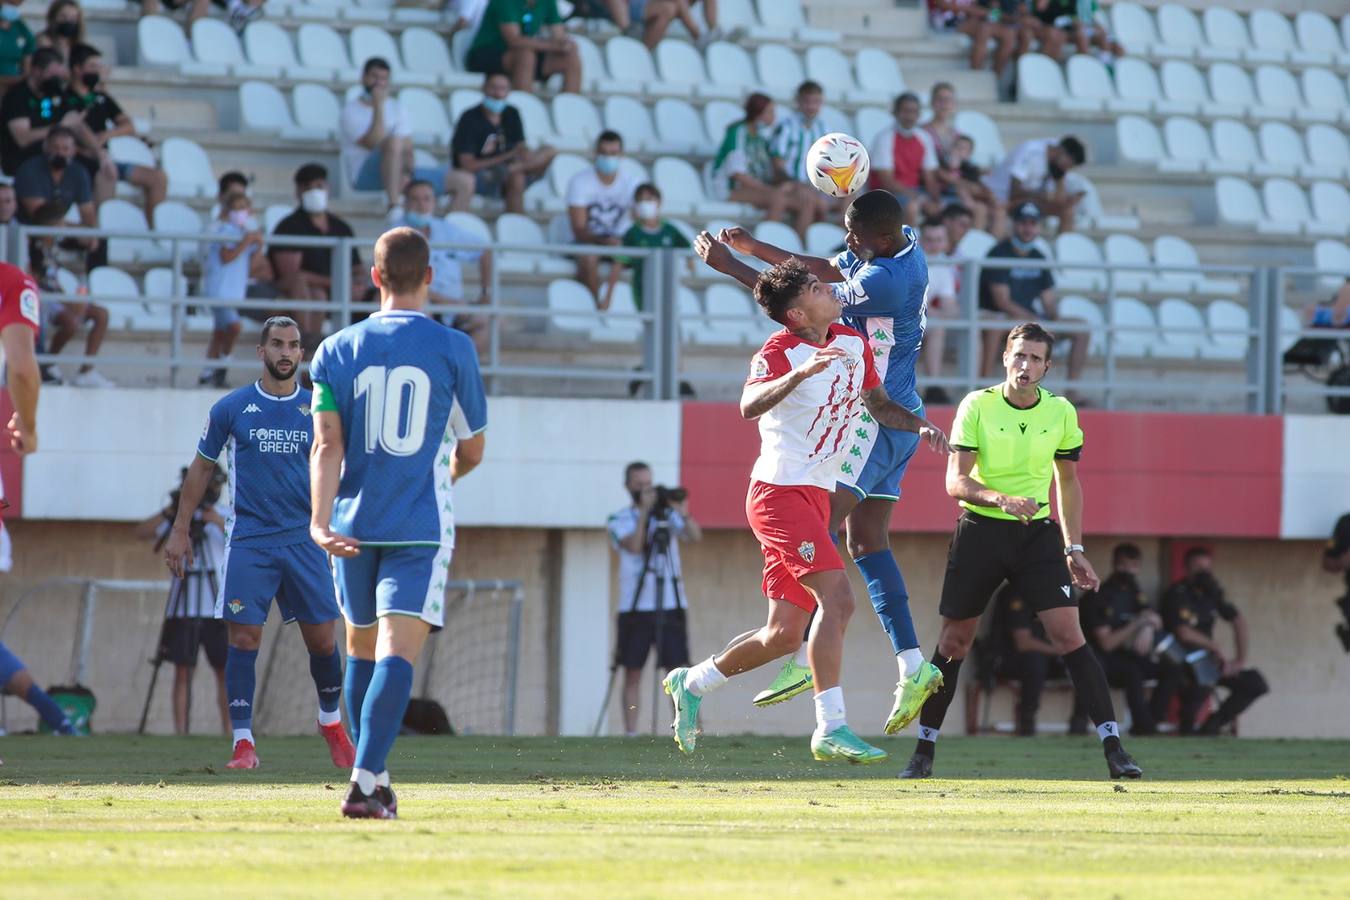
x=304, y=409
x=236, y=606
x=807, y=551
x=28, y=306
x=759, y=366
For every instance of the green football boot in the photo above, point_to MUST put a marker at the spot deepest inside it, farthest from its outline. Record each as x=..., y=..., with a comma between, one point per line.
x=791, y=680
x=842, y=743
x=911, y=694
x=686, y=708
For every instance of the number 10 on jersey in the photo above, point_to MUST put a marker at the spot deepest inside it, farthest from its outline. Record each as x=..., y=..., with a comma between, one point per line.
x=396, y=407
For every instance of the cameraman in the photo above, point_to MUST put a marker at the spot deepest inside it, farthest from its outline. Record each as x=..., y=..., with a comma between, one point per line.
x=1336, y=558
x=1189, y=608
x=633, y=532
x=190, y=623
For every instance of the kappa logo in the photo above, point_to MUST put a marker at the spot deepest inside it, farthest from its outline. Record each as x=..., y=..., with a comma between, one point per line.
x=807, y=551
x=252, y=407
x=236, y=606
x=240, y=702
x=1065, y=589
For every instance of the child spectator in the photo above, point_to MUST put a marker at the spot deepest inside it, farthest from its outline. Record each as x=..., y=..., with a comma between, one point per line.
x=225, y=277
x=943, y=284
x=649, y=229
x=963, y=182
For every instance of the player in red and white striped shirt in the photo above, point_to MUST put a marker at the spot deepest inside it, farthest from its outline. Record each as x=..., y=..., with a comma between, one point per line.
x=805, y=386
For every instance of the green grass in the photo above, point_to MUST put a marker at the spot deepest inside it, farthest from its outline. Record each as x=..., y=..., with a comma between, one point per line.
x=744, y=818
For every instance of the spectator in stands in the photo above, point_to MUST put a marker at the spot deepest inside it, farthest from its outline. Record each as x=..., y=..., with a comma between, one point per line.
x=465, y=15
x=599, y=200
x=1062, y=21
x=306, y=273
x=941, y=127
x=54, y=178
x=650, y=229
x=905, y=160
x=795, y=132
x=1034, y=172
x=1335, y=315
x=377, y=144
x=65, y=27
x=744, y=166
x=1123, y=628
x=1189, y=609
x=64, y=319
x=1031, y=658
x=654, y=17
x=959, y=220
x=17, y=43
x=489, y=145
x=447, y=280
x=961, y=181
x=525, y=39
x=225, y=277
x=104, y=120
x=943, y=281
x=31, y=107
x=1023, y=293
x=979, y=20
x=9, y=203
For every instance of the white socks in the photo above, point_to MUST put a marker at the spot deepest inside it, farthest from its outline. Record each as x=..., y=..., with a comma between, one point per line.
x=330, y=718
x=830, y=710
x=704, y=678
x=911, y=661
x=243, y=734
x=382, y=779
x=365, y=780
x=801, y=658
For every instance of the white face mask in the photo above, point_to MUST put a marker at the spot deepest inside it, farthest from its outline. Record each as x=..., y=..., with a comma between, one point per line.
x=314, y=200
x=647, y=209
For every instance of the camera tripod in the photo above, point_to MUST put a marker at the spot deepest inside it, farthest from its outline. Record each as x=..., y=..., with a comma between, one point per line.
x=655, y=561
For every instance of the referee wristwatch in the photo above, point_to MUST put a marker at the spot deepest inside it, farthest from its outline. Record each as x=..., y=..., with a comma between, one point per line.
x=1072, y=549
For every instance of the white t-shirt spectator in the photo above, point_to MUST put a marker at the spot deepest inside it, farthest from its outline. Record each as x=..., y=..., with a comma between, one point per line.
x=1026, y=163
x=943, y=282
x=622, y=524
x=607, y=205
x=355, y=122
x=226, y=280
x=471, y=11
x=446, y=277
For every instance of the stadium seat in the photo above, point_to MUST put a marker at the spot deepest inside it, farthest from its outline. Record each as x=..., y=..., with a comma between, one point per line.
x=1137, y=87
x=780, y=235
x=1324, y=94
x=780, y=70
x=1318, y=39
x=426, y=53
x=1235, y=148
x=1091, y=87
x=216, y=49
x=370, y=41
x=1282, y=151
x=176, y=217
x=572, y=308
x=1179, y=31
x=1328, y=149
x=563, y=168
x=1133, y=26
x=1226, y=35
x=467, y=221
x=316, y=109
x=633, y=72
x=321, y=48
x=188, y=168
x=729, y=65
x=1277, y=89
x=1331, y=256
x=718, y=115
x=694, y=327
x=832, y=70
x=1330, y=207
x=1170, y=250
x=1188, y=148
x=631, y=118
x=1273, y=35
x=464, y=99
x=267, y=44
x=680, y=63
x=1234, y=96
x=740, y=16
x=1075, y=307
x=120, y=215
x=873, y=121
x=424, y=114
x=1227, y=323
x=118, y=293
x=1039, y=80
x=1136, y=330
x=273, y=215
x=1185, y=90
x=730, y=310
x=578, y=123
x=1072, y=247
x=878, y=75
x=514, y=228
x=1128, y=250
x=1287, y=209
x=1237, y=202
x=1181, y=330
x=824, y=239
x=616, y=330
x=1138, y=141
x=160, y=43
x=679, y=127
x=776, y=15
x=982, y=130
x=1289, y=327
x=976, y=244
x=533, y=115
x=127, y=149
x=682, y=189
x=631, y=167
x=262, y=108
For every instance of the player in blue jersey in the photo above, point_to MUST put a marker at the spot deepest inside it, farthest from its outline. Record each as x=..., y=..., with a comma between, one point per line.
x=881, y=283
x=399, y=415
x=264, y=431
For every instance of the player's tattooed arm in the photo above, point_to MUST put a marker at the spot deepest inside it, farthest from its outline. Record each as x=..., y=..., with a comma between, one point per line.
x=720, y=259
x=892, y=415
x=760, y=397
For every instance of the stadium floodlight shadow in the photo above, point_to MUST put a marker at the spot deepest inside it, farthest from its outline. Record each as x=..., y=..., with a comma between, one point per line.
x=999, y=762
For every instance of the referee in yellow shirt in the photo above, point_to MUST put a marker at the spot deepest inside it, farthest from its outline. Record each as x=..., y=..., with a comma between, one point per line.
x=1008, y=442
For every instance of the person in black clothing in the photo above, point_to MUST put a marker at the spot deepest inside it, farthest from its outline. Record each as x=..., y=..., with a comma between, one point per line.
x=31, y=107
x=1336, y=558
x=1189, y=609
x=104, y=119
x=489, y=143
x=1029, y=657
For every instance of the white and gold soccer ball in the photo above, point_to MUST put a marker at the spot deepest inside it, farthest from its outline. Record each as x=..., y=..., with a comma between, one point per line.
x=838, y=164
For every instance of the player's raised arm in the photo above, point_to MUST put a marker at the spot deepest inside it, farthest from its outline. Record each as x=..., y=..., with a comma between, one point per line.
x=24, y=380
x=325, y=473
x=761, y=396
x=892, y=415
x=742, y=241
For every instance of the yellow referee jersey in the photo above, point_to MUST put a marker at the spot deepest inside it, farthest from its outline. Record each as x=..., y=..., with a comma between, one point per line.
x=1015, y=449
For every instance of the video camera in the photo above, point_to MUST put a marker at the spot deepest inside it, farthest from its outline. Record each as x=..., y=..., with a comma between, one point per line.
x=665, y=496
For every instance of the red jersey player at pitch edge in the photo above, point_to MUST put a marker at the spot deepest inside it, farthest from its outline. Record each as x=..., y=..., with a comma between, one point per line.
x=805, y=386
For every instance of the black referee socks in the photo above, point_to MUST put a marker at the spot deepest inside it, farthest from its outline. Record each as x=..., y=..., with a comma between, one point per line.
x=935, y=710
x=1089, y=683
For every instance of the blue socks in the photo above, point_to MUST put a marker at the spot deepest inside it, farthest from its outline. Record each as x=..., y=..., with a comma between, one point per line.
x=327, y=674
x=240, y=680
x=46, y=707
x=886, y=587
x=359, y=673
x=382, y=712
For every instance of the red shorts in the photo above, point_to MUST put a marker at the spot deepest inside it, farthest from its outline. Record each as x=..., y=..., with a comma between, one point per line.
x=792, y=523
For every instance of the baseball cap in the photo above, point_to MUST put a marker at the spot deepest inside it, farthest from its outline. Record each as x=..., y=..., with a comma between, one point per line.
x=1028, y=211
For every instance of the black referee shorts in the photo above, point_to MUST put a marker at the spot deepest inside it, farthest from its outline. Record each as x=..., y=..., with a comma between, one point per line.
x=182, y=640
x=985, y=552
x=637, y=635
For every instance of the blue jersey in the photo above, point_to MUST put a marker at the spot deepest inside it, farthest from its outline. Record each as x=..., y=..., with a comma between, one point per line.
x=266, y=440
x=887, y=300
x=406, y=388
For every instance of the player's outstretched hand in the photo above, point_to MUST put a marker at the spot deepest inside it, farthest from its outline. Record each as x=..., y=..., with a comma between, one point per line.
x=738, y=239
x=820, y=360
x=1021, y=508
x=21, y=440
x=177, y=552
x=937, y=441
x=712, y=252
x=1082, y=573
x=332, y=543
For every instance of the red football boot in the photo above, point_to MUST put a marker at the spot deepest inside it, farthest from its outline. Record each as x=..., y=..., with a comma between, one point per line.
x=245, y=756
x=339, y=745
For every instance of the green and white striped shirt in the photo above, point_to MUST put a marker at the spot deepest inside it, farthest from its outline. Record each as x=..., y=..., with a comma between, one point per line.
x=792, y=138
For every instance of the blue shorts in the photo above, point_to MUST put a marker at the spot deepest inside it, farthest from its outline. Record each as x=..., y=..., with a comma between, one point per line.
x=10, y=665
x=370, y=178
x=223, y=317
x=297, y=575
x=393, y=581
x=877, y=461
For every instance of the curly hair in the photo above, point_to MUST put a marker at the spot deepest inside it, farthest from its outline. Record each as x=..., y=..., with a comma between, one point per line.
x=777, y=287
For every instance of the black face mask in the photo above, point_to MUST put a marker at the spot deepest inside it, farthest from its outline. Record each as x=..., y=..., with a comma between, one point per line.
x=50, y=87
x=67, y=29
x=1056, y=170
x=637, y=497
x=90, y=80
x=57, y=161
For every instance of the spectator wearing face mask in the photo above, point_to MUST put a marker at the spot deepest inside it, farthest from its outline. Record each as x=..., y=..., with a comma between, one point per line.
x=650, y=229
x=65, y=27
x=744, y=167
x=599, y=201
x=54, y=179
x=31, y=107
x=225, y=277
x=905, y=160
x=17, y=43
x=489, y=144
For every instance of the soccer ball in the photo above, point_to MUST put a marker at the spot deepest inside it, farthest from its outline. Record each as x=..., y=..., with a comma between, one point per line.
x=838, y=164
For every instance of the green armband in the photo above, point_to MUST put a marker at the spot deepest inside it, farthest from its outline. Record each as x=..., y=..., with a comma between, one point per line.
x=323, y=398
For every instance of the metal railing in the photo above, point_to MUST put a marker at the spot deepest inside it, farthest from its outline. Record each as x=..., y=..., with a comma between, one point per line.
x=1262, y=387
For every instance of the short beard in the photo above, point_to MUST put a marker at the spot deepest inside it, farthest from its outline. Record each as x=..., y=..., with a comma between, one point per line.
x=275, y=373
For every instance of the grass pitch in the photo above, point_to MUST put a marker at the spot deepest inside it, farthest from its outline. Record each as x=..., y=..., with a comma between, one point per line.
x=744, y=818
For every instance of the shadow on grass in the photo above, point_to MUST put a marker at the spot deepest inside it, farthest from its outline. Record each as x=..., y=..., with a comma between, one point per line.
x=126, y=760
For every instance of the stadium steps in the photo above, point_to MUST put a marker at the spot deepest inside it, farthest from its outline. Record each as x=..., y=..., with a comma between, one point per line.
x=866, y=19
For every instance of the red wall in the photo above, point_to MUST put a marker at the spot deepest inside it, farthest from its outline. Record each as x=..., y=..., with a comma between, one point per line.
x=1165, y=474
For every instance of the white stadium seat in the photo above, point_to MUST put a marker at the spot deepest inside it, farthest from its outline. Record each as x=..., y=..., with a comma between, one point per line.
x=832, y=70
x=514, y=228
x=729, y=65
x=680, y=127
x=776, y=15
x=1138, y=87
x=534, y=116
x=1325, y=96
x=1128, y=250
x=1184, y=87
x=824, y=239
x=593, y=70
x=118, y=292
x=1290, y=325
x=718, y=115
x=424, y=114
x=633, y=71
x=262, y=108
x=188, y=168
x=1235, y=148
x=878, y=74
x=1133, y=26
x=976, y=244
x=1286, y=206
x=321, y=48
x=682, y=190
x=731, y=310
x=1136, y=330
x=216, y=48
x=1138, y=141
x=369, y=41
x=1273, y=35
x=268, y=44
x=981, y=129
x=780, y=235
x=1282, y=150
x=160, y=43
x=1170, y=250
x=1187, y=143
x=316, y=108
x=1180, y=33
x=464, y=99
x=1225, y=35
x=680, y=63
x=1237, y=202
x=616, y=330
x=780, y=70
x=120, y=215
x=1072, y=247
x=1227, y=321
x=467, y=221
x=1092, y=87
x=176, y=217
x=1039, y=80
x=1330, y=207
x=578, y=123
x=694, y=327
x=127, y=149
x=1234, y=95
x=273, y=215
x=1278, y=89
x=1181, y=330
x=571, y=307
x=425, y=52
x=562, y=170
x=740, y=15
x=1331, y=256
x=632, y=118
x=1328, y=149
x=1317, y=36
x=1075, y=307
